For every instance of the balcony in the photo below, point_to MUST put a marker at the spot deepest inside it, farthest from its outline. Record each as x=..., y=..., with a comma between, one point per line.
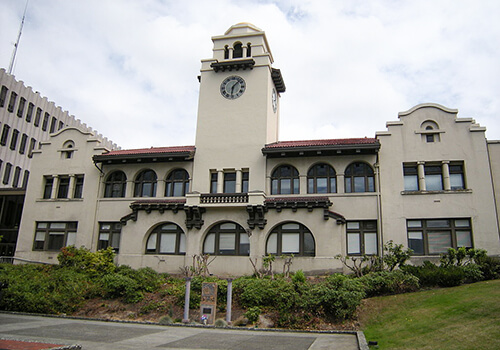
x=224, y=198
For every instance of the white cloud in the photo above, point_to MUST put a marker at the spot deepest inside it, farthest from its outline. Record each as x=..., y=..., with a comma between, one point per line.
x=128, y=68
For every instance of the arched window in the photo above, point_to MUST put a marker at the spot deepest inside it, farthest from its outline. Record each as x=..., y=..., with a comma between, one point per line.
x=359, y=178
x=291, y=238
x=237, y=50
x=227, y=238
x=430, y=131
x=145, y=184
x=285, y=180
x=115, y=185
x=68, y=149
x=166, y=239
x=226, y=52
x=321, y=178
x=177, y=184
x=249, y=50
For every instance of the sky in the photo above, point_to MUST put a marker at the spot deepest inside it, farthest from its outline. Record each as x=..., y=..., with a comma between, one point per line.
x=128, y=68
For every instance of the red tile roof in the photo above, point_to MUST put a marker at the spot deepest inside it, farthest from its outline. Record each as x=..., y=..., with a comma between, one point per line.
x=152, y=150
x=327, y=142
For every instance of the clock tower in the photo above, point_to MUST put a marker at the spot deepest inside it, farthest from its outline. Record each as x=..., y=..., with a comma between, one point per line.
x=238, y=112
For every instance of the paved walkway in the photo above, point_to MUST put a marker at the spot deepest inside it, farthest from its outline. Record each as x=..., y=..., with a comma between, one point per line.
x=99, y=335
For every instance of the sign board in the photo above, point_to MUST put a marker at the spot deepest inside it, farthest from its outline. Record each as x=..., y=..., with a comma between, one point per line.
x=208, y=304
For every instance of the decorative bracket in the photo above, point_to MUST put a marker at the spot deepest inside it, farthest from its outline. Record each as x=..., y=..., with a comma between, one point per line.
x=194, y=217
x=256, y=216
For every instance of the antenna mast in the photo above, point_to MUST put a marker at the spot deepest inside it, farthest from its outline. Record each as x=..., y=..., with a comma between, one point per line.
x=13, y=58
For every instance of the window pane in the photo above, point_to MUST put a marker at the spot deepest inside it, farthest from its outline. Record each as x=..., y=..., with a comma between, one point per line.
x=274, y=187
x=290, y=243
x=353, y=244
x=105, y=226
x=462, y=223
x=167, y=242
x=40, y=236
x=209, y=246
x=333, y=185
x=42, y=225
x=56, y=241
x=370, y=243
x=272, y=244
x=433, y=182
x=115, y=240
x=244, y=244
x=71, y=238
x=228, y=226
x=172, y=227
x=286, y=186
x=457, y=182
x=464, y=239
x=58, y=225
x=439, y=241
x=438, y=223
x=178, y=189
x=353, y=225
x=371, y=184
x=359, y=184
x=416, y=242
x=104, y=237
x=414, y=223
x=227, y=244
x=308, y=244
x=151, y=246
x=182, y=243
x=290, y=226
x=348, y=185
x=411, y=183
x=322, y=185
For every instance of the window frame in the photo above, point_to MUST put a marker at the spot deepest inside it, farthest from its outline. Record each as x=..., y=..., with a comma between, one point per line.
x=277, y=180
x=114, y=234
x=71, y=227
x=140, y=184
x=112, y=185
x=159, y=230
x=217, y=230
x=280, y=230
x=364, y=228
x=172, y=181
x=368, y=175
x=313, y=177
x=425, y=228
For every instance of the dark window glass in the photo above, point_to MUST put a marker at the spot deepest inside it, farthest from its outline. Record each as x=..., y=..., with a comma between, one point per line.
x=109, y=235
x=29, y=114
x=359, y=177
x=115, y=185
x=38, y=116
x=17, y=175
x=410, y=177
x=177, y=183
x=249, y=50
x=227, y=238
x=457, y=177
x=226, y=52
x=244, y=181
x=213, y=183
x=13, y=140
x=285, y=180
x=291, y=238
x=53, y=124
x=3, y=95
x=54, y=235
x=20, y=108
x=78, y=192
x=145, y=184
x=229, y=182
x=5, y=135
x=433, y=178
x=32, y=147
x=22, y=146
x=61, y=125
x=12, y=102
x=237, y=50
x=47, y=191
x=62, y=191
x=321, y=178
x=45, y=123
x=6, y=174
x=166, y=238
x=26, y=178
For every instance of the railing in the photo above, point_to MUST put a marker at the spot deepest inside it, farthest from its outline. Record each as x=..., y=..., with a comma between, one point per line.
x=217, y=198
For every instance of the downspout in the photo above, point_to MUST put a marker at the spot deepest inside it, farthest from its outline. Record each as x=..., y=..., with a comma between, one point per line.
x=97, y=203
x=379, y=206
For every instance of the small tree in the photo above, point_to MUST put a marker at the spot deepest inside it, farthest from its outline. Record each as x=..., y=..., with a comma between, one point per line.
x=100, y=262
x=395, y=256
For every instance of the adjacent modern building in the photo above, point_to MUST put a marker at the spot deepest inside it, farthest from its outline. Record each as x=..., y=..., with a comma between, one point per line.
x=26, y=119
x=430, y=182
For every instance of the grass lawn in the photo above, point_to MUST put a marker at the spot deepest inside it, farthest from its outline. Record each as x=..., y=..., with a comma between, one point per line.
x=465, y=317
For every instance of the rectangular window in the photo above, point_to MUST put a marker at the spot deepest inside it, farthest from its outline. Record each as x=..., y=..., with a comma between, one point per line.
x=6, y=174
x=20, y=108
x=32, y=147
x=29, y=114
x=109, y=235
x=62, y=190
x=435, y=236
x=213, y=183
x=410, y=177
x=12, y=102
x=5, y=135
x=78, y=193
x=53, y=236
x=26, y=178
x=45, y=123
x=245, y=175
x=362, y=238
x=229, y=182
x=61, y=125
x=457, y=177
x=47, y=190
x=22, y=146
x=53, y=124
x=3, y=95
x=38, y=116
x=13, y=140
x=17, y=175
x=433, y=178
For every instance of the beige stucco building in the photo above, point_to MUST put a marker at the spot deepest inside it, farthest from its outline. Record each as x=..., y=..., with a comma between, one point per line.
x=239, y=193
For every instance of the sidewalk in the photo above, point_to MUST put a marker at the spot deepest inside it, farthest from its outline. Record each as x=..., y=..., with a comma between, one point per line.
x=101, y=335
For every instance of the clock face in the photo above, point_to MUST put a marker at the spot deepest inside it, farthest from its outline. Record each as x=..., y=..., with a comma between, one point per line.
x=233, y=87
x=274, y=101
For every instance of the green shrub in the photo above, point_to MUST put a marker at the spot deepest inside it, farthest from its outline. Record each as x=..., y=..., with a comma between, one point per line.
x=220, y=323
x=147, y=279
x=450, y=276
x=115, y=285
x=253, y=314
x=100, y=262
x=490, y=267
x=299, y=277
x=389, y=282
x=472, y=273
x=430, y=275
x=165, y=320
x=395, y=255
